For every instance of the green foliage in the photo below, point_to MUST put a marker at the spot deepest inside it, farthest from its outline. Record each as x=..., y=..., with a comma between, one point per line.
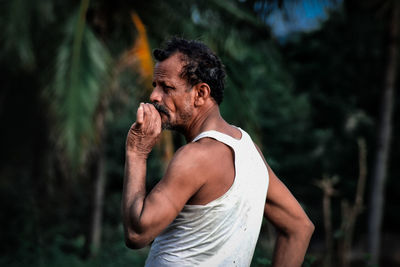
x=261, y=258
x=327, y=66
x=81, y=75
x=76, y=78
x=299, y=102
x=309, y=261
x=65, y=252
x=17, y=34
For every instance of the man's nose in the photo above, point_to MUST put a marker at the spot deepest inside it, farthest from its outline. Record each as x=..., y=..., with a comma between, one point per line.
x=155, y=95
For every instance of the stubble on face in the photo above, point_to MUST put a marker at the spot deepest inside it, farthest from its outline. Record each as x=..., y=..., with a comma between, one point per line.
x=183, y=116
x=186, y=114
x=165, y=125
x=177, y=112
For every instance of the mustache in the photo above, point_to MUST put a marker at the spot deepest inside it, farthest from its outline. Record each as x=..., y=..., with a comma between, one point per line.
x=161, y=108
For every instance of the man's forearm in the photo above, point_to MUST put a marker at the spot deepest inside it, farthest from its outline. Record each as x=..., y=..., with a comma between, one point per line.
x=134, y=190
x=140, y=140
x=290, y=250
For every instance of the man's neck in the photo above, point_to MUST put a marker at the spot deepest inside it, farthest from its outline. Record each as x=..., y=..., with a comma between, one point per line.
x=208, y=119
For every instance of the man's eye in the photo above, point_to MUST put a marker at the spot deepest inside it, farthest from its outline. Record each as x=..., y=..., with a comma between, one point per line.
x=153, y=84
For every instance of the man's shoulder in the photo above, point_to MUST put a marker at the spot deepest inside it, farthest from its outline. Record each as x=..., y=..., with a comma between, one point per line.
x=195, y=161
x=201, y=150
x=200, y=154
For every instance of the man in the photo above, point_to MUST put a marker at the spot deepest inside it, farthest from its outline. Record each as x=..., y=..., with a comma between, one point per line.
x=207, y=209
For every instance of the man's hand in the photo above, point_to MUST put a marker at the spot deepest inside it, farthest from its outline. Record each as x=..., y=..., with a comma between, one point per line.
x=145, y=132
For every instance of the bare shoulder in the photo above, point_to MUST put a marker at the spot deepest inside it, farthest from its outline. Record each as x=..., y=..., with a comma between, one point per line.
x=198, y=154
x=189, y=153
x=184, y=176
x=210, y=166
x=186, y=165
x=202, y=160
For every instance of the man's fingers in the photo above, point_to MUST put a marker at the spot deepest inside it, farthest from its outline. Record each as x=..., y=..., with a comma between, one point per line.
x=155, y=113
x=140, y=115
x=147, y=111
x=147, y=117
x=150, y=113
x=153, y=108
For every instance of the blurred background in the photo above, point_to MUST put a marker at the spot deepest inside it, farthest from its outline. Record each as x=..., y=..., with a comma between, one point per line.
x=313, y=81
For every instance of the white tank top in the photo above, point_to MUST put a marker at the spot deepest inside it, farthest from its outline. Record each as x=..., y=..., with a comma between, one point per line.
x=223, y=232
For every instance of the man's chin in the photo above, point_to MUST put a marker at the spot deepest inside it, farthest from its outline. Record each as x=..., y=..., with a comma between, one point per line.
x=171, y=127
x=166, y=126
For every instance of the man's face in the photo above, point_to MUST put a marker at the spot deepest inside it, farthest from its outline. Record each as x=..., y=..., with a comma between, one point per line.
x=171, y=95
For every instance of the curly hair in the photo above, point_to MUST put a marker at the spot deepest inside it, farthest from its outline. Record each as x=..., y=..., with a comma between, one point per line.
x=201, y=64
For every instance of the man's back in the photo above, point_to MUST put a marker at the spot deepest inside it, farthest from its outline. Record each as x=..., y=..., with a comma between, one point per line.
x=223, y=232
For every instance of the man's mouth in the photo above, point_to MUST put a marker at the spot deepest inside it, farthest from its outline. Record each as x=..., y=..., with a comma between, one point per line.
x=161, y=109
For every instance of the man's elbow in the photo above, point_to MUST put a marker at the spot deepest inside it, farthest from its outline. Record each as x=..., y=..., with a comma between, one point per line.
x=309, y=226
x=305, y=228
x=302, y=229
x=135, y=241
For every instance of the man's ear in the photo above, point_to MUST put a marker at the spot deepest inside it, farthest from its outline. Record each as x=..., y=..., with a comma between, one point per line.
x=202, y=93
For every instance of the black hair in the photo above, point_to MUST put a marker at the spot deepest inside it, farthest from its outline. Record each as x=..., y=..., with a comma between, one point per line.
x=202, y=65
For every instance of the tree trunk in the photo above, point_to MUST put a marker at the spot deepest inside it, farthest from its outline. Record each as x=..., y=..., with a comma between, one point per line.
x=98, y=176
x=327, y=185
x=351, y=212
x=328, y=229
x=96, y=223
x=383, y=142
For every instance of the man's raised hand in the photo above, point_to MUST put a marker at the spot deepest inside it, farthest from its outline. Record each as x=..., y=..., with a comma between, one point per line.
x=145, y=132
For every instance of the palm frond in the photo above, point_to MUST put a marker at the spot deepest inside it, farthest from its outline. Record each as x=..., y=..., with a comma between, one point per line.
x=16, y=32
x=81, y=74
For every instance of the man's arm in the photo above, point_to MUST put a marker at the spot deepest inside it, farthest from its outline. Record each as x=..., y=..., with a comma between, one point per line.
x=293, y=225
x=145, y=216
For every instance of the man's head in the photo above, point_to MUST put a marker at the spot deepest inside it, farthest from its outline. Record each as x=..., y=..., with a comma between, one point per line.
x=200, y=64
x=187, y=77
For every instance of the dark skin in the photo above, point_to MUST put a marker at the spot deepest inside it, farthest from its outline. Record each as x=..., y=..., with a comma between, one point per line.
x=192, y=176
